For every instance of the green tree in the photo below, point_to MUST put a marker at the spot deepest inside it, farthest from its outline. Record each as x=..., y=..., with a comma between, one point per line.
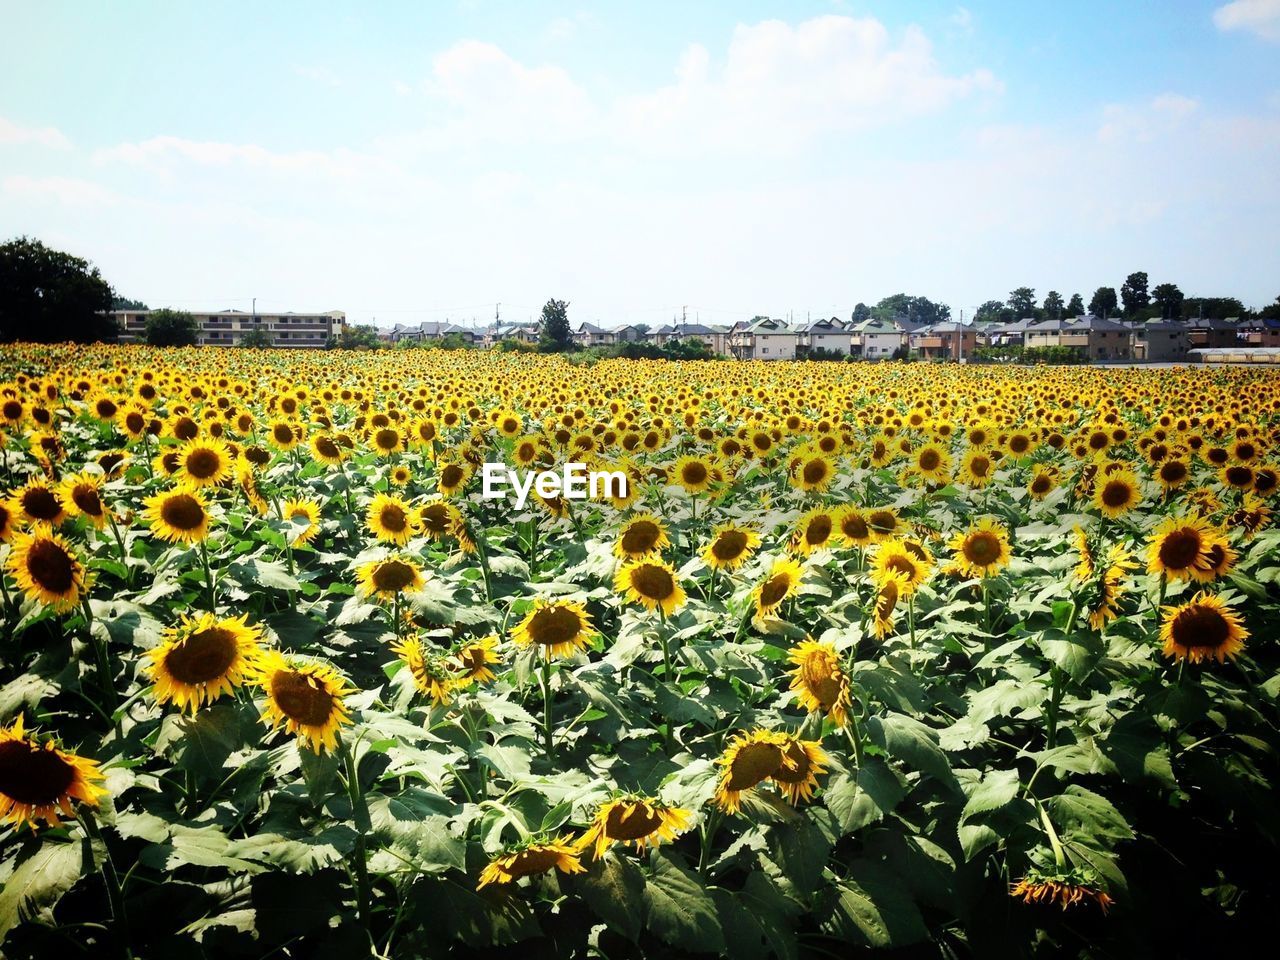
x=1075, y=308
x=361, y=336
x=49, y=296
x=1104, y=302
x=1053, y=304
x=916, y=309
x=1168, y=300
x=1213, y=308
x=257, y=337
x=1271, y=311
x=124, y=303
x=994, y=311
x=1134, y=294
x=861, y=312
x=171, y=328
x=1023, y=302
x=557, y=337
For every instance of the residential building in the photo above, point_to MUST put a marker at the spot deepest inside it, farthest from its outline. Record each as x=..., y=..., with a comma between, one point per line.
x=590, y=335
x=1213, y=332
x=1160, y=341
x=496, y=332
x=225, y=328
x=764, y=339
x=835, y=335
x=1011, y=334
x=432, y=330
x=876, y=339
x=1094, y=338
x=1259, y=333
x=946, y=340
x=715, y=338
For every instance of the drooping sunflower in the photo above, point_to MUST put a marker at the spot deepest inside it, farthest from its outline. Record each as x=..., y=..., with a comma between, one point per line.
x=303, y=517
x=38, y=501
x=178, y=515
x=890, y=587
x=1104, y=606
x=1061, y=888
x=731, y=545
x=559, y=627
x=204, y=463
x=391, y=519
x=693, y=473
x=748, y=761
x=82, y=496
x=39, y=781
x=390, y=576
x=46, y=568
x=803, y=761
x=247, y=480
x=530, y=858
x=475, y=659
x=8, y=522
x=307, y=698
x=783, y=581
x=1204, y=628
x=651, y=583
x=819, y=681
x=638, y=821
x=203, y=658
x=644, y=534
x=1117, y=493
x=813, y=531
x=431, y=673
x=981, y=550
x=326, y=450
x=1180, y=546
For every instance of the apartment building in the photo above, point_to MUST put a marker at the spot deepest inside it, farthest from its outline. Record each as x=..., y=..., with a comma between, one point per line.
x=764, y=339
x=877, y=339
x=834, y=335
x=226, y=327
x=946, y=340
x=1095, y=338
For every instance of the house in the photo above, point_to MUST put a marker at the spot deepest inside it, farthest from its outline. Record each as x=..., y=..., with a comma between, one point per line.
x=628, y=334
x=495, y=333
x=1011, y=334
x=1094, y=338
x=834, y=335
x=431, y=330
x=877, y=339
x=714, y=337
x=763, y=339
x=1213, y=332
x=590, y=335
x=945, y=340
x=1259, y=332
x=1160, y=340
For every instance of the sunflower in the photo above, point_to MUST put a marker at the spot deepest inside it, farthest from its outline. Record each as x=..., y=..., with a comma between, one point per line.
x=82, y=496
x=453, y=477
x=651, y=583
x=386, y=441
x=204, y=463
x=178, y=515
x=1062, y=888
x=813, y=472
x=8, y=522
x=915, y=565
x=820, y=683
x=38, y=502
x=248, y=483
x=46, y=568
x=803, y=761
x=559, y=627
x=391, y=519
x=782, y=581
x=325, y=449
x=1110, y=587
x=303, y=517
x=890, y=587
x=1204, y=628
x=1173, y=473
x=202, y=658
x=852, y=526
x=693, y=473
x=390, y=576
x=748, y=761
x=1179, y=548
x=475, y=659
x=884, y=524
x=304, y=696
x=284, y=435
x=813, y=531
x=981, y=550
x=527, y=450
x=644, y=534
x=1117, y=493
x=532, y=857
x=932, y=462
x=38, y=780
x=640, y=821
x=431, y=673
x=1043, y=480
x=400, y=475
x=731, y=545
x=977, y=468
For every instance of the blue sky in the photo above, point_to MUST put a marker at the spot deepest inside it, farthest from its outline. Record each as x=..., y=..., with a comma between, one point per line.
x=422, y=161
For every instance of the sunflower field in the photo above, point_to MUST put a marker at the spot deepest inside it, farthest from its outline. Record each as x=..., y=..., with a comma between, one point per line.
x=929, y=660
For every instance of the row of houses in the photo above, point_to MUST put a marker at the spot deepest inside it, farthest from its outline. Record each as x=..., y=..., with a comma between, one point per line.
x=1094, y=338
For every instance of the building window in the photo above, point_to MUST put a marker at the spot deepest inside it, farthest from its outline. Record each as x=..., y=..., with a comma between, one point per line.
x=765, y=350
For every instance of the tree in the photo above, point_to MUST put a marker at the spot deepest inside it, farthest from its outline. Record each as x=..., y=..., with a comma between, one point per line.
x=50, y=296
x=994, y=311
x=1168, y=300
x=902, y=306
x=557, y=337
x=1271, y=311
x=124, y=303
x=1023, y=302
x=1053, y=304
x=1076, y=307
x=1213, y=308
x=861, y=312
x=172, y=328
x=1103, y=302
x=1134, y=294
x=257, y=337
x=361, y=336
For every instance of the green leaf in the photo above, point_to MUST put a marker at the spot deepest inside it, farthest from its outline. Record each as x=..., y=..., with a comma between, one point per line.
x=865, y=797
x=1076, y=655
x=680, y=911
x=615, y=889
x=800, y=851
x=39, y=881
x=912, y=742
x=995, y=790
x=1089, y=814
x=871, y=908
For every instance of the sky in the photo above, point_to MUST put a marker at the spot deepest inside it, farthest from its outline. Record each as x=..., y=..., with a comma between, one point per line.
x=466, y=158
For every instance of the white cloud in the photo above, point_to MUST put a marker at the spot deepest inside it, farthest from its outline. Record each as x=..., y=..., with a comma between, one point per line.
x=782, y=85
x=1261, y=17
x=68, y=191
x=321, y=75
x=962, y=18
x=1145, y=122
x=163, y=153
x=11, y=133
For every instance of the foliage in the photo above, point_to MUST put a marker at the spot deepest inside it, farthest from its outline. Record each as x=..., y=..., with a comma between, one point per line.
x=360, y=336
x=991, y=735
x=918, y=310
x=257, y=337
x=124, y=303
x=1103, y=302
x=172, y=328
x=50, y=296
x=556, y=334
x=1134, y=294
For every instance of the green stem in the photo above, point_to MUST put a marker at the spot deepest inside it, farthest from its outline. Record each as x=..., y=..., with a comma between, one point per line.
x=363, y=825
x=105, y=672
x=110, y=880
x=709, y=829
x=208, y=572
x=547, y=743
